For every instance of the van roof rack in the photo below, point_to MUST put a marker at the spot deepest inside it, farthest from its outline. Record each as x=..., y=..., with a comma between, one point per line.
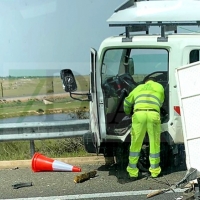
x=137, y=16
x=164, y=27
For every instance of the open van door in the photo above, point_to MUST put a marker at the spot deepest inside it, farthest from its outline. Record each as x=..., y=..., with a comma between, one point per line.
x=93, y=137
x=188, y=85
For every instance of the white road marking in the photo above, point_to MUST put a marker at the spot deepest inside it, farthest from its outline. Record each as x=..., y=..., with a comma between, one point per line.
x=96, y=195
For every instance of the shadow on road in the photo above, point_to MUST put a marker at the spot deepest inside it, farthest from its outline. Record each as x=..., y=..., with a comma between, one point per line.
x=119, y=171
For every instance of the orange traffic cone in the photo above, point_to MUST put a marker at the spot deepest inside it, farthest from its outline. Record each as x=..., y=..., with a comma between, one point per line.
x=41, y=163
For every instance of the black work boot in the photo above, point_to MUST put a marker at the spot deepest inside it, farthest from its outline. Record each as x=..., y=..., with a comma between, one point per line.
x=148, y=175
x=159, y=175
x=128, y=179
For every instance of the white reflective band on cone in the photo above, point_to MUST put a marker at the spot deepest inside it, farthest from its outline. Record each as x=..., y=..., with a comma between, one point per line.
x=60, y=166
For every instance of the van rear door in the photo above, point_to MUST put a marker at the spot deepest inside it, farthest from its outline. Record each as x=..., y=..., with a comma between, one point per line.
x=188, y=85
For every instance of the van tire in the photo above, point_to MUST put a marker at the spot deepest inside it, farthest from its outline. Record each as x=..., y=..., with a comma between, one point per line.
x=90, y=142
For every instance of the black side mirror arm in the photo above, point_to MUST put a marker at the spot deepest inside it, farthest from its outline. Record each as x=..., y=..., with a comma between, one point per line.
x=89, y=96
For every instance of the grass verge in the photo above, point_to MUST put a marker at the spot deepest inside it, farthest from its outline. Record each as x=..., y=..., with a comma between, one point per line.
x=55, y=148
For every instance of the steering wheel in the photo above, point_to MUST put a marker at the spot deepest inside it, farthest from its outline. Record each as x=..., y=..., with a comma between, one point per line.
x=108, y=87
x=113, y=86
x=128, y=80
x=156, y=77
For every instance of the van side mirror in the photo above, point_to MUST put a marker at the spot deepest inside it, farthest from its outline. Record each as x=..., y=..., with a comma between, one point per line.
x=68, y=79
x=69, y=85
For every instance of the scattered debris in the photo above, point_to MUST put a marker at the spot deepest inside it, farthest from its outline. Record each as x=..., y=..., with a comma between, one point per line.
x=161, y=191
x=20, y=185
x=46, y=102
x=157, y=192
x=15, y=168
x=190, y=175
x=193, y=189
x=86, y=176
x=179, y=198
x=188, y=194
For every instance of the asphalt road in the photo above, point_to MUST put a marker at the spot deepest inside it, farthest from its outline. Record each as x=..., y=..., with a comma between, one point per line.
x=60, y=185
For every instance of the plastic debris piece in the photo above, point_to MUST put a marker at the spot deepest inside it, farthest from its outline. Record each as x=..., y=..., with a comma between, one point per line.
x=20, y=185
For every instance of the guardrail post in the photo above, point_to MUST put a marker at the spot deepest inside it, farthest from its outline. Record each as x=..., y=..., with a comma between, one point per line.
x=1, y=90
x=32, y=147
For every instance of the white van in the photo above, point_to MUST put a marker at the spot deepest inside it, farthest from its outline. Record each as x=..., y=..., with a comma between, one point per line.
x=122, y=62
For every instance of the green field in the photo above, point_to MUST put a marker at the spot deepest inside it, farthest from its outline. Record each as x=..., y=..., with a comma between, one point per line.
x=27, y=96
x=33, y=86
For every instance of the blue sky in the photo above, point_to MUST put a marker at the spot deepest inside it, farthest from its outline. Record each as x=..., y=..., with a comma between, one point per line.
x=41, y=37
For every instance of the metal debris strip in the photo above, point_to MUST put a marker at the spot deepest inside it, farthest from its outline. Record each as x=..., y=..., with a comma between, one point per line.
x=20, y=185
x=179, y=198
x=161, y=191
x=190, y=175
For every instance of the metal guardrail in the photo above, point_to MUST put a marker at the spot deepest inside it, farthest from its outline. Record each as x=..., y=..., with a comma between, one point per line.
x=43, y=130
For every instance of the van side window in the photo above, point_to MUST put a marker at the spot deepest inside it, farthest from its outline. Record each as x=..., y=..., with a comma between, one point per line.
x=194, y=55
x=147, y=61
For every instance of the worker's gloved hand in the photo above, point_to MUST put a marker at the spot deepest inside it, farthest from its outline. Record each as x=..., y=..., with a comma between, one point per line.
x=127, y=117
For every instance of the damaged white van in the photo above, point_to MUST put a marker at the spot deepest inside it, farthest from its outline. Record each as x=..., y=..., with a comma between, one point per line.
x=124, y=61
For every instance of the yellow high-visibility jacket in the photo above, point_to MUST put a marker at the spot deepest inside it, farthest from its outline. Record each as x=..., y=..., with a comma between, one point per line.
x=149, y=95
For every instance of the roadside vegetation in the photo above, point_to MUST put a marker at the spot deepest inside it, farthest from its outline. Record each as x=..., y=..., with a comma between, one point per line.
x=54, y=148
x=35, y=106
x=41, y=96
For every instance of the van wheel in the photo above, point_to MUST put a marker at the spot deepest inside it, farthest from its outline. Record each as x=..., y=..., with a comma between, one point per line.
x=144, y=164
x=179, y=159
x=122, y=157
x=165, y=156
x=90, y=142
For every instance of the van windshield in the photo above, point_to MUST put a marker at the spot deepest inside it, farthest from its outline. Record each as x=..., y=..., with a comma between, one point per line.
x=141, y=62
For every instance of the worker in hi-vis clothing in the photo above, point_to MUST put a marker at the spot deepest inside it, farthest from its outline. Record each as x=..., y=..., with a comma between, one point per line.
x=145, y=102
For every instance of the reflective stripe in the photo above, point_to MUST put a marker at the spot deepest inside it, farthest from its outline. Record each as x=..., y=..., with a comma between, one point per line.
x=132, y=165
x=154, y=166
x=134, y=154
x=150, y=102
x=156, y=155
x=128, y=103
x=148, y=95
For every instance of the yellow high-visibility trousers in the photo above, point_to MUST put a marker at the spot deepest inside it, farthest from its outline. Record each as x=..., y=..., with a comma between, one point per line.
x=145, y=122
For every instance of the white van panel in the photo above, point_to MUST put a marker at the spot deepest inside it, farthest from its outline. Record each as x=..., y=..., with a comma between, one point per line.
x=188, y=82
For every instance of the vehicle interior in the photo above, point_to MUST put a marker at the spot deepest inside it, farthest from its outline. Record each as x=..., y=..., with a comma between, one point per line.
x=130, y=73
